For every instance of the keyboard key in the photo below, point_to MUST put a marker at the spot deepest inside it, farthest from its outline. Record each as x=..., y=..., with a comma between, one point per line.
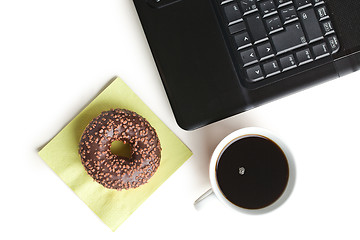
x=248, y=57
x=248, y=6
x=242, y=40
x=281, y=3
x=273, y=24
x=257, y=29
x=293, y=37
x=232, y=12
x=265, y=51
x=304, y=56
x=320, y=50
x=221, y=2
x=288, y=62
x=288, y=14
x=311, y=25
x=317, y=2
x=271, y=68
x=302, y=3
x=267, y=7
x=322, y=13
x=327, y=27
x=334, y=44
x=238, y=27
x=254, y=74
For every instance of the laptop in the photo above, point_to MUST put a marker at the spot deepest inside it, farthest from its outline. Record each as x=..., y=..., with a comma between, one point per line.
x=218, y=58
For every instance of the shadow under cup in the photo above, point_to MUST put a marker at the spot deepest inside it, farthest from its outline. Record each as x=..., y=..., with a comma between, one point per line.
x=252, y=172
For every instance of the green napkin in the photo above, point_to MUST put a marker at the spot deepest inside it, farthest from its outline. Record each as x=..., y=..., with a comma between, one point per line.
x=61, y=154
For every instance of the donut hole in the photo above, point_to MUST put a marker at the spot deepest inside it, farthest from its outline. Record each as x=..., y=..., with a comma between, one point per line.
x=121, y=149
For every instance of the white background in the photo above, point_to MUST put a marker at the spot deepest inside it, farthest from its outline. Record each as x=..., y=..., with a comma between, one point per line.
x=56, y=55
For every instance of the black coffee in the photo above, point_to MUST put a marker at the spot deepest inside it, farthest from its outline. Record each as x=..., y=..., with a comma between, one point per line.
x=252, y=172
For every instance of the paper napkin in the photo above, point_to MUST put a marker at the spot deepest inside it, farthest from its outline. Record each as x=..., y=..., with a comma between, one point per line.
x=61, y=154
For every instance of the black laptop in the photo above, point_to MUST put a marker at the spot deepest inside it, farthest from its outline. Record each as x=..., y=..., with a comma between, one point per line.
x=218, y=58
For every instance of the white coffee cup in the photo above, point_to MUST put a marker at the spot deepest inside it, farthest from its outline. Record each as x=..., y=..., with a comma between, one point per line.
x=286, y=184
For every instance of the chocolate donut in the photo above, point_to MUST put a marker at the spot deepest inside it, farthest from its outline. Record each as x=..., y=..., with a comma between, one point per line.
x=113, y=171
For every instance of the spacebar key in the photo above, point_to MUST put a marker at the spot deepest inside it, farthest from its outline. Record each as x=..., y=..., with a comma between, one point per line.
x=293, y=37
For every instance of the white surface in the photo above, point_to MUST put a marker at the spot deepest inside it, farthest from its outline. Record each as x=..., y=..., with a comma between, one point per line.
x=55, y=56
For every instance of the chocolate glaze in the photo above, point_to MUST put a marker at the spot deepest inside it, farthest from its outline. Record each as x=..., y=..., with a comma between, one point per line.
x=113, y=171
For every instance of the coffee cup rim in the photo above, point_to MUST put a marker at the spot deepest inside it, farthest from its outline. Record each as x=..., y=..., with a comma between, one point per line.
x=234, y=136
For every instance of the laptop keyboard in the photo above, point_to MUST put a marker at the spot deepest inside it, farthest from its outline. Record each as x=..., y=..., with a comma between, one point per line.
x=271, y=37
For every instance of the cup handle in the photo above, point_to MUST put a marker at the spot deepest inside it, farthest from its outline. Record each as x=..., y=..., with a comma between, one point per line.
x=205, y=195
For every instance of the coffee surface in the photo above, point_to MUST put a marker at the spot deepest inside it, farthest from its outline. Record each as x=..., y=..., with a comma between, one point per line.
x=252, y=172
